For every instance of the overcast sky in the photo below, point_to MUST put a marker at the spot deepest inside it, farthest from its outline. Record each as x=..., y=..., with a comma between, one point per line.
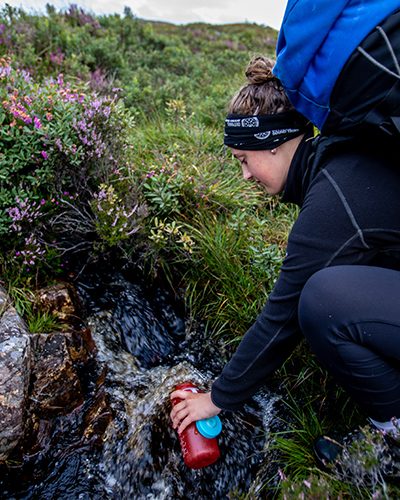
x=268, y=12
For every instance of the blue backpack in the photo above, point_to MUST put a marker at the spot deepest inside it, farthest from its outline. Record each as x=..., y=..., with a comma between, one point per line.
x=339, y=62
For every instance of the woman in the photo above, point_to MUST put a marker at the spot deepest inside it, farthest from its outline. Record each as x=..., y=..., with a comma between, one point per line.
x=339, y=284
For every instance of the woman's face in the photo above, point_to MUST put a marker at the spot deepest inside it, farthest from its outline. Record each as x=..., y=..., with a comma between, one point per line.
x=268, y=167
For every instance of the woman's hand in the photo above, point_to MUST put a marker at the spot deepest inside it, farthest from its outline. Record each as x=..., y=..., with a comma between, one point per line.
x=194, y=406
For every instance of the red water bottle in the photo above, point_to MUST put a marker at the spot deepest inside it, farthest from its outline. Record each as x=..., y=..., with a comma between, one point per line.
x=198, y=451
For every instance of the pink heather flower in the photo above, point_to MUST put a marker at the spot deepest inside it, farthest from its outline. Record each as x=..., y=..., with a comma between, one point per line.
x=42, y=201
x=44, y=154
x=96, y=104
x=37, y=123
x=26, y=76
x=57, y=57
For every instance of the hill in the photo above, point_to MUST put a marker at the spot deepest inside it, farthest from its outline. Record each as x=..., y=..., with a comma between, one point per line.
x=152, y=62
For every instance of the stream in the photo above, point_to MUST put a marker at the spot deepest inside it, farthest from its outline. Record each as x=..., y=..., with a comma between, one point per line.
x=146, y=347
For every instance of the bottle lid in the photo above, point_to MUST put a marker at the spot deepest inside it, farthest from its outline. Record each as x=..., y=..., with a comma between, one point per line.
x=209, y=427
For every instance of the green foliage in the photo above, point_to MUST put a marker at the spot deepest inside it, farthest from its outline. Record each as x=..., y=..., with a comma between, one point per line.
x=219, y=236
x=229, y=279
x=364, y=470
x=153, y=62
x=114, y=221
x=318, y=486
x=58, y=143
x=37, y=321
x=317, y=407
x=43, y=323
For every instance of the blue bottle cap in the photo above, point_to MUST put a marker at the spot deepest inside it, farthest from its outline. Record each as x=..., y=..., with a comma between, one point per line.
x=209, y=427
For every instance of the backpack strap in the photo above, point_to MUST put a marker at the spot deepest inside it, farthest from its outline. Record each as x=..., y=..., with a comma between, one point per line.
x=386, y=113
x=381, y=115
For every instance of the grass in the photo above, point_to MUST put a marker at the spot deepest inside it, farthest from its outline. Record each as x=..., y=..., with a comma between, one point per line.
x=229, y=280
x=37, y=321
x=43, y=322
x=238, y=232
x=315, y=406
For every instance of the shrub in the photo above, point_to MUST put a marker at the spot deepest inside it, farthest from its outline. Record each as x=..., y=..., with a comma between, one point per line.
x=58, y=144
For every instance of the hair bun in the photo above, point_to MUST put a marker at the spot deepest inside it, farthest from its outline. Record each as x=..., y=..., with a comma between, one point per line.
x=259, y=70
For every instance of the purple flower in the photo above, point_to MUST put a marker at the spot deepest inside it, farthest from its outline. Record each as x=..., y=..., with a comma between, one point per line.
x=58, y=143
x=26, y=76
x=82, y=125
x=5, y=71
x=44, y=154
x=37, y=123
x=57, y=58
x=96, y=104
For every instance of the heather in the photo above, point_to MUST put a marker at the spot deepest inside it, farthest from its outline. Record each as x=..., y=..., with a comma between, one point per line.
x=61, y=148
x=111, y=145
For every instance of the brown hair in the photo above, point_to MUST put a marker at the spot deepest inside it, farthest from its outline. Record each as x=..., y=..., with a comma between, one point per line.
x=263, y=94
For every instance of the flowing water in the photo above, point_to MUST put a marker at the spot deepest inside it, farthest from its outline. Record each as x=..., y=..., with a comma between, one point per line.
x=147, y=347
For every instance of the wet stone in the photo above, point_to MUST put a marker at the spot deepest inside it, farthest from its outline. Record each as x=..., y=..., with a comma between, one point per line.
x=60, y=300
x=56, y=386
x=14, y=376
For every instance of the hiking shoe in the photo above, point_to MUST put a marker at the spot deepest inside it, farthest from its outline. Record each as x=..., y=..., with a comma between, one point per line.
x=326, y=451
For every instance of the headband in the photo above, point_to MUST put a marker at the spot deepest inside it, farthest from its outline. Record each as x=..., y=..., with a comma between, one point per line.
x=263, y=131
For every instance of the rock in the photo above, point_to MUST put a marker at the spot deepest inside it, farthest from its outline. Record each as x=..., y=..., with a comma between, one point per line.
x=81, y=346
x=50, y=375
x=14, y=375
x=98, y=416
x=61, y=300
x=56, y=387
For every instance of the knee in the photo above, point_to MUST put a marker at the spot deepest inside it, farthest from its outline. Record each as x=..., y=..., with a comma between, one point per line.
x=316, y=310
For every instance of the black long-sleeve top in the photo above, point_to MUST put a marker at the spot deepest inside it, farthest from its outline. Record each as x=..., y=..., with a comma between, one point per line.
x=349, y=194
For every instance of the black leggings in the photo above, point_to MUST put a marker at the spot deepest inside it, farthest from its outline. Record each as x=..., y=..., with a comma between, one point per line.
x=351, y=318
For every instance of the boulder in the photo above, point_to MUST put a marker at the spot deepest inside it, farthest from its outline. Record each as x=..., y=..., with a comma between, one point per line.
x=15, y=352
x=56, y=387
x=61, y=300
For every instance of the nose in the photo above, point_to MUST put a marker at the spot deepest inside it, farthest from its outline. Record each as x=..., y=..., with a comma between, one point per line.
x=246, y=174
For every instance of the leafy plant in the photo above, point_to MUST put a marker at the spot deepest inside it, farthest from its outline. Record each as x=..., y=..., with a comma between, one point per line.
x=24, y=301
x=58, y=143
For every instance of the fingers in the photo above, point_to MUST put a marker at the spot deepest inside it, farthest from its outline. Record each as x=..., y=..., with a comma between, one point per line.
x=185, y=422
x=192, y=407
x=181, y=394
x=178, y=413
